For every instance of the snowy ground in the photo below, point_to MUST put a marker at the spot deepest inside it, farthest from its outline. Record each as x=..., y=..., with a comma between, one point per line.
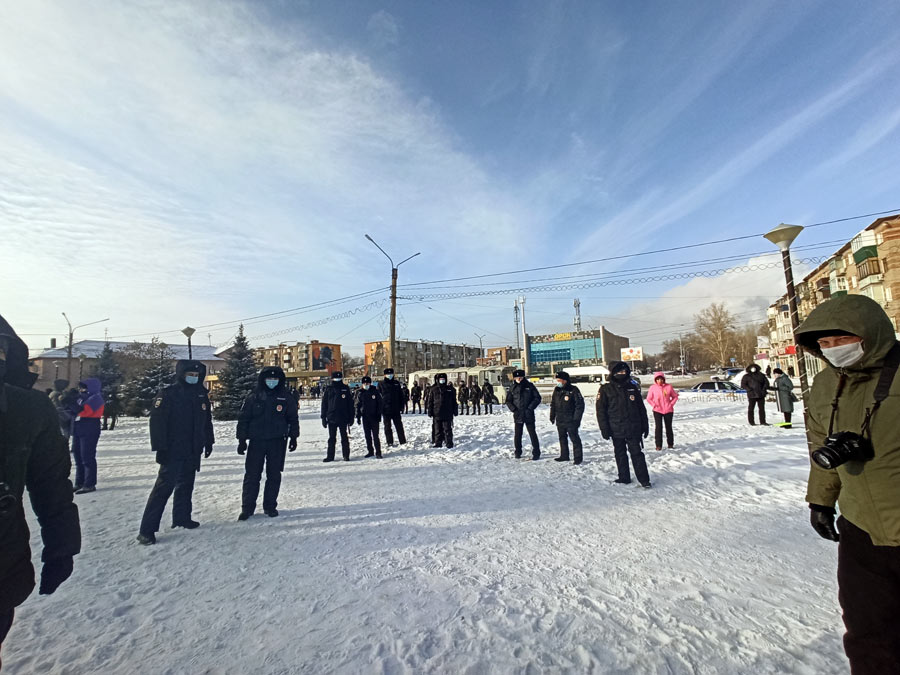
x=455, y=561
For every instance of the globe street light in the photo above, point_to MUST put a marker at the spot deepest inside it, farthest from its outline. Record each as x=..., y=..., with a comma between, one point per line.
x=188, y=332
x=783, y=236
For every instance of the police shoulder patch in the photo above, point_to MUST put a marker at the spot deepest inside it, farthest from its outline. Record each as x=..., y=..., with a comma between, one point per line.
x=157, y=402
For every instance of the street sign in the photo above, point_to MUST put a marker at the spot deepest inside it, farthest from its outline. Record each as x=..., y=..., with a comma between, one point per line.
x=733, y=360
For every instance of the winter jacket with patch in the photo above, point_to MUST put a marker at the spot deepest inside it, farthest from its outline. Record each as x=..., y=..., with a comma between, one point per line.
x=181, y=419
x=868, y=493
x=523, y=398
x=391, y=395
x=620, y=410
x=566, y=406
x=269, y=413
x=369, y=404
x=662, y=397
x=442, y=402
x=337, y=404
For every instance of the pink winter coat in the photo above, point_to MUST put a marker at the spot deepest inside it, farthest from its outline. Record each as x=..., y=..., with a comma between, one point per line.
x=662, y=397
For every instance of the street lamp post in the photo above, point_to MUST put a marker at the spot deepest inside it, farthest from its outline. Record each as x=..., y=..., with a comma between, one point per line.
x=783, y=236
x=56, y=372
x=81, y=367
x=71, y=340
x=188, y=332
x=393, y=336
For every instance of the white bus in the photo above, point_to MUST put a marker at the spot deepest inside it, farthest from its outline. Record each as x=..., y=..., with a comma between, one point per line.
x=500, y=377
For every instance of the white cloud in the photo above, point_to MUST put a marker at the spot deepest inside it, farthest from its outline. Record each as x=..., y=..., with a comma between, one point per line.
x=383, y=29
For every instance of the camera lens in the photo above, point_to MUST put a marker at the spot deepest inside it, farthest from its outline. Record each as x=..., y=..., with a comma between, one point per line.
x=826, y=458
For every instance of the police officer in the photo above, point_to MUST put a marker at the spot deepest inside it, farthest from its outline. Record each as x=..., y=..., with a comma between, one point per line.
x=566, y=410
x=416, y=395
x=852, y=413
x=622, y=417
x=33, y=456
x=463, y=398
x=392, y=396
x=475, y=395
x=369, y=409
x=181, y=432
x=523, y=398
x=267, y=419
x=442, y=408
x=337, y=414
x=487, y=392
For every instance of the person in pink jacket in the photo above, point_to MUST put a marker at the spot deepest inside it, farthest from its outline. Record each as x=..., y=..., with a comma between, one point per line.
x=662, y=397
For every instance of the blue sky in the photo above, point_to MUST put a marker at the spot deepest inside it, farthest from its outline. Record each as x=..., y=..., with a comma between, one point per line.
x=173, y=163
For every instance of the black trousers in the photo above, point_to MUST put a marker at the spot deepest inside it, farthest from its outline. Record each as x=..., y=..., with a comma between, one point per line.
x=463, y=407
x=476, y=407
x=370, y=431
x=6, y=621
x=630, y=446
x=388, y=432
x=489, y=407
x=567, y=433
x=443, y=433
x=532, y=434
x=177, y=477
x=869, y=592
x=666, y=419
x=787, y=417
x=759, y=403
x=271, y=453
x=417, y=404
x=332, y=440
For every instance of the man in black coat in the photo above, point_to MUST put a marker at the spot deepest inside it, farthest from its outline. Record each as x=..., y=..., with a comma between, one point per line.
x=392, y=398
x=462, y=396
x=566, y=411
x=369, y=409
x=33, y=456
x=181, y=432
x=337, y=414
x=405, y=390
x=442, y=408
x=622, y=417
x=267, y=420
x=757, y=386
x=415, y=395
x=523, y=398
x=475, y=395
x=487, y=392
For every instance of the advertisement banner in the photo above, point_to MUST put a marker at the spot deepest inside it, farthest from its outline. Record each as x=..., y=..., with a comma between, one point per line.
x=632, y=353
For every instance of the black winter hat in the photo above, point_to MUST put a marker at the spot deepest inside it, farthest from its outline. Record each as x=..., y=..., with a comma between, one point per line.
x=337, y=374
x=388, y=371
x=518, y=373
x=366, y=380
x=562, y=375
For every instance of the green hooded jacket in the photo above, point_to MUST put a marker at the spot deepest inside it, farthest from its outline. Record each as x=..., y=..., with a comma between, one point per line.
x=868, y=493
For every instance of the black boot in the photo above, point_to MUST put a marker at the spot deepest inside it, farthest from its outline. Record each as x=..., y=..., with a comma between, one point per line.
x=188, y=525
x=272, y=513
x=560, y=459
x=146, y=539
x=245, y=515
x=369, y=454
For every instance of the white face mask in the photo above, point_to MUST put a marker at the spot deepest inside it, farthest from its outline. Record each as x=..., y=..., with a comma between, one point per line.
x=366, y=386
x=845, y=355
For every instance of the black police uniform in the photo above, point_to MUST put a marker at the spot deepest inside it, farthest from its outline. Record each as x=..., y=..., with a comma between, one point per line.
x=392, y=398
x=369, y=409
x=337, y=414
x=522, y=399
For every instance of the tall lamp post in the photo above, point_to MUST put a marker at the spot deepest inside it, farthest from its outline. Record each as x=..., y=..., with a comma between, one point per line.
x=189, y=332
x=71, y=339
x=393, y=336
x=783, y=236
x=480, y=346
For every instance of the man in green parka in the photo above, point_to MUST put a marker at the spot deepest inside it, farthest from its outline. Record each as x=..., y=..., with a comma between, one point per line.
x=853, y=335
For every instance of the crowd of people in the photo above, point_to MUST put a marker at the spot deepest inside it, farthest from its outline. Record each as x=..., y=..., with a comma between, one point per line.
x=854, y=470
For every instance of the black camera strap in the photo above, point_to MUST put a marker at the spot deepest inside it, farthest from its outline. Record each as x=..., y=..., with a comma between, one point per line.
x=882, y=389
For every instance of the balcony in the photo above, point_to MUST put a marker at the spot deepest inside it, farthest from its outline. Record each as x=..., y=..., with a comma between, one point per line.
x=871, y=280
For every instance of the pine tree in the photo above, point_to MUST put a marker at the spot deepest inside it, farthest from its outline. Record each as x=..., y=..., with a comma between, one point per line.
x=237, y=379
x=139, y=392
x=110, y=375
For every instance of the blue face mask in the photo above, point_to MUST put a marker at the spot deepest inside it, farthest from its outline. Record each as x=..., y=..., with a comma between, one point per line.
x=390, y=377
x=560, y=384
x=336, y=379
x=366, y=386
x=191, y=379
x=443, y=381
x=271, y=384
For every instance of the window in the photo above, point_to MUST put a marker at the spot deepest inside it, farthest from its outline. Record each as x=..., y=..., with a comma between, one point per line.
x=868, y=267
x=707, y=386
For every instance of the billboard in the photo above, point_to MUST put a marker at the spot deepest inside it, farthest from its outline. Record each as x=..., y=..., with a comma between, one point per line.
x=323, y=358
x=632, y=353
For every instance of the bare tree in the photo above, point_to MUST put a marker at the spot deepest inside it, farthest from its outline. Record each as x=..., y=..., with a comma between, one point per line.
x=715, y=327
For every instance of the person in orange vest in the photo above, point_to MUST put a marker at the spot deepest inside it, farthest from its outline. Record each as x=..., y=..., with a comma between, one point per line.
x=88, y=413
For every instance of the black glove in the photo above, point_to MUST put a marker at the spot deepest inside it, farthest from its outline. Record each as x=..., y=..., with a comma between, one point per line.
x=324, y=424
x=552, y=421
x=242, y=446
x=208, y=451
x=292, y=444
x=359, y=420
x=54, y=573
x=605, y=435
x=646, y=433
x=822, y=520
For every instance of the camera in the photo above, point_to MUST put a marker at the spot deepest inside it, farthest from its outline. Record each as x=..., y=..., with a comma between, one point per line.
x=843, y=447
x=8, y=500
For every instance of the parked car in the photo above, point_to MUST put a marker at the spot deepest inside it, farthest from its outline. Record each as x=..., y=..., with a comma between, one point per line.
x=717, y=386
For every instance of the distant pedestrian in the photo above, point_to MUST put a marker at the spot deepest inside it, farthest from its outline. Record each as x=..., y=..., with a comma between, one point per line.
x=405, y=390
x=442, y=409
x=87, y=413
x=463, y=398
x=623, y=419
x=566, y=411
x=337, y=415
x=181, y=431
x=415, y=395
x=487, y=393
x=756, y=385
x=784, y=396
x=63, y=399
x=269, y=421
x=392, y=398
x=523, y=398
x=769, y=371
x=369, y=410
x=475, y=394
x=662, y=398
